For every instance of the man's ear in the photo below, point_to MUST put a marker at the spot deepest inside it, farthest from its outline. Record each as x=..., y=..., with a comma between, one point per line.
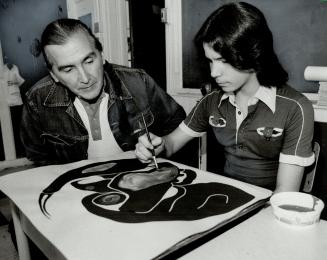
x=54, y=76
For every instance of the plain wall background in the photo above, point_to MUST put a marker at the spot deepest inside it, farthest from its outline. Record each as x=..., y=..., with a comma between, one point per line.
x=299, y=29
x=21, y=25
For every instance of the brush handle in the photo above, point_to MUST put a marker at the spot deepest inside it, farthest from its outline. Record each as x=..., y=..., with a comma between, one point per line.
x=149, y=139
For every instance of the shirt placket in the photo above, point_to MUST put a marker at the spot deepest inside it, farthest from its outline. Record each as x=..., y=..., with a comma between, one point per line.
x=239, y=128
x=241, y=123
x=239, y=118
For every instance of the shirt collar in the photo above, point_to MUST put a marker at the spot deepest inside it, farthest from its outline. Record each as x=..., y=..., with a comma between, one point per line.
x=268, y=96
x=264, y=94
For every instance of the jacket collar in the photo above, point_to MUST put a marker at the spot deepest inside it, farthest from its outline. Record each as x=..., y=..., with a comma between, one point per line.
x=114, y=85
x=58, y=95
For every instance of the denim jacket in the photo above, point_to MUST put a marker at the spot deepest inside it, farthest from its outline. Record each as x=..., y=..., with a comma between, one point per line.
x=53, y=132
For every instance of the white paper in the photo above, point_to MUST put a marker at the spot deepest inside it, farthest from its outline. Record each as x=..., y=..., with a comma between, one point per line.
x=79, y=234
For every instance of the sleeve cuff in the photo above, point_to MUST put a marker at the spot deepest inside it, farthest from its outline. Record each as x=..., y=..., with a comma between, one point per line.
x=297, y=160
x=189, y=131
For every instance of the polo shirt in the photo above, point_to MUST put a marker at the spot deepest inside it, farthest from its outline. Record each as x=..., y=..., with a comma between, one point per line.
x=278, y=128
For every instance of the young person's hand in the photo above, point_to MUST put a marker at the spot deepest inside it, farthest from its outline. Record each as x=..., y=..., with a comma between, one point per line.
x=143, y=149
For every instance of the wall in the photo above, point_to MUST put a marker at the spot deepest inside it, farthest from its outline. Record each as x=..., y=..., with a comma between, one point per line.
x=21, y=24
x=298, y=27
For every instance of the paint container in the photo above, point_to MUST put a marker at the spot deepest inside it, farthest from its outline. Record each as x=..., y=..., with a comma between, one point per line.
x=296, y=208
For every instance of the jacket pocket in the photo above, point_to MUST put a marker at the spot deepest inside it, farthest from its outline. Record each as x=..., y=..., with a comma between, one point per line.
x=66, y=148
x=63, y=139
x=139, y=123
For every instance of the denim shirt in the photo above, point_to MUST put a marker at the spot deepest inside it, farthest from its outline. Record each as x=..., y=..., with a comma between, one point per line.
x=53, y=132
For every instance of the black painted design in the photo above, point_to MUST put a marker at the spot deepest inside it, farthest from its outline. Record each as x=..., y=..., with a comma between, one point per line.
x=127, y=192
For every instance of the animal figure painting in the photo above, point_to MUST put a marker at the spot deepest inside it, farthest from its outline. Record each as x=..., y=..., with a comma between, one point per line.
x=127, y=191
x=120, y=208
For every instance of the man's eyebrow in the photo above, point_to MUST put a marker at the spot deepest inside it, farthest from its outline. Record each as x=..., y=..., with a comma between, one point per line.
x=89, y=55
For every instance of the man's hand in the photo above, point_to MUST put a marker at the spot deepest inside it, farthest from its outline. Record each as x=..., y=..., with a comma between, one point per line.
x=144, y=146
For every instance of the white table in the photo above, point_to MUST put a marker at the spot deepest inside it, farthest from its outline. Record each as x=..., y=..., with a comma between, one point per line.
x=69, y=231
x=263, y=237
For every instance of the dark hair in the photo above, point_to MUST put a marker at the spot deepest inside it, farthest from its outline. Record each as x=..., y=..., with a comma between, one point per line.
x=239, y=32
x=59, y=31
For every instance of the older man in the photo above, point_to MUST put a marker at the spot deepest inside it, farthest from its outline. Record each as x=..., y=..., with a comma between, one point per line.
x=87, y=107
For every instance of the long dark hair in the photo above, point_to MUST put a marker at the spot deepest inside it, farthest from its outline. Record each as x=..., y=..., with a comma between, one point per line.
x=240, y=33
x=59, y=31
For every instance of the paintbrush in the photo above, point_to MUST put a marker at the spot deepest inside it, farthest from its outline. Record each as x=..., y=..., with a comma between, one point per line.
x=152, y=150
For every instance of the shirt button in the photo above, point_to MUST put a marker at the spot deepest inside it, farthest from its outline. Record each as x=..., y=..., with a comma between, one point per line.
x=240, y=147
x=239, y=112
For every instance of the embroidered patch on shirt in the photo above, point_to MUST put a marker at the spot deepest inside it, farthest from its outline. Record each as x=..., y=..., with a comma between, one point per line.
x=269, y=132
x=217, y=122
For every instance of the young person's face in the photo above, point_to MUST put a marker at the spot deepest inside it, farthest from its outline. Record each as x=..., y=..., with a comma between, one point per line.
x=227, y=77
x=78, y=65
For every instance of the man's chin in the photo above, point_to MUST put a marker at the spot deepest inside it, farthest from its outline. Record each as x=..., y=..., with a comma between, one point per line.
x=91, y=97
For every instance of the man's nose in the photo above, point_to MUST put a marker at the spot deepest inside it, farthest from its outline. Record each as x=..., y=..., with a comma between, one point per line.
x=84, y=78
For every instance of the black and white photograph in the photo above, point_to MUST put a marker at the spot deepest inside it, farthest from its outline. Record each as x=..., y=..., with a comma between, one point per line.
x=163, y=129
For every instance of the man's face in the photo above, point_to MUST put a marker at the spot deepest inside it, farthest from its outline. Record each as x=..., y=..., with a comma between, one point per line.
x=78, y=65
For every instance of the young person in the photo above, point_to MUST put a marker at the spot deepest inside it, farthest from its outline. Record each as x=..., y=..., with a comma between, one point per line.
x=87, y=107
x=264, y=125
